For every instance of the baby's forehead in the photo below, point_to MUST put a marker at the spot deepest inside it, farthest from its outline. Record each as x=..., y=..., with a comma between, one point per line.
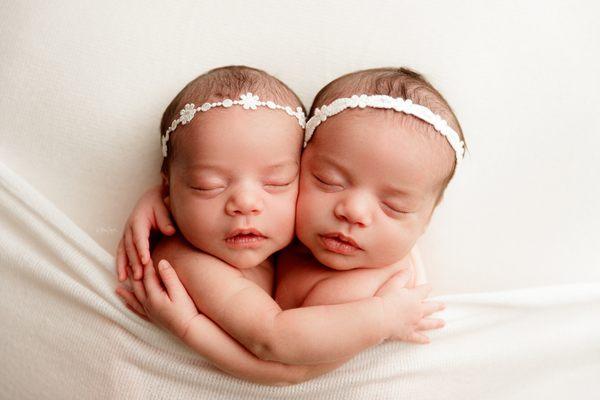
x=224, y=130
x=391, y=140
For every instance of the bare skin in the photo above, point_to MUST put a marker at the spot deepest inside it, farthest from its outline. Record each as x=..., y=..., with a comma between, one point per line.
x=343, y=311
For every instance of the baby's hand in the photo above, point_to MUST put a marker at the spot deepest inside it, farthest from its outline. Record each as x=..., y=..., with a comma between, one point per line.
x=172, y=308
x=150, y=213
x=405, y=310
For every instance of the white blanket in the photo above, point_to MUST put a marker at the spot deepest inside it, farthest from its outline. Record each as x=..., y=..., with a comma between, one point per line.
x=65, y=334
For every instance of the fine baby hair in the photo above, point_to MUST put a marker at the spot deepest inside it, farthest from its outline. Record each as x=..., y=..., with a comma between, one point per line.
x=228, y=86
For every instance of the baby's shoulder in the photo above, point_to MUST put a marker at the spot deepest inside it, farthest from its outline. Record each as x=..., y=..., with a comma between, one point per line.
x=297, y=271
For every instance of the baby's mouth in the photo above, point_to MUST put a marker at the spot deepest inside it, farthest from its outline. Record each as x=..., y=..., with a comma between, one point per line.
x=338, y=243
x=244, y=238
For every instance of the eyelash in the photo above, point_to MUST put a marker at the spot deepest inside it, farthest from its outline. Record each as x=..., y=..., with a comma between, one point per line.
x=279, y=186
x=391, y=209
x=325, y=183
x=269, y=185
x=394, y=210
x=206, y=190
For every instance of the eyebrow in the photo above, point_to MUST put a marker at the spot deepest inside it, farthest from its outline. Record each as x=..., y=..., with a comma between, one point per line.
x=200, y=166
x=398, y=191
x=218, y=168
x=388, y=189
x=283, y=164
x=335, y=164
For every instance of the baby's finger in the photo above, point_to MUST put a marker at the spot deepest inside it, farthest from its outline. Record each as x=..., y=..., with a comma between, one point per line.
x=417, y=337
x=163, y=219
x=152, y=282
x=430, y=323
x=130, y=300
x=139, y=290
x=121, y=261
x=170, y=280
x=429, y=307
x=142, y=316
x=423, y=290
x=134, y=261
x=141, y=234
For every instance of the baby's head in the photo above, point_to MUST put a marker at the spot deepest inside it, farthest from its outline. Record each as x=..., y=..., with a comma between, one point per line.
x=371, y=176
x=232, y=162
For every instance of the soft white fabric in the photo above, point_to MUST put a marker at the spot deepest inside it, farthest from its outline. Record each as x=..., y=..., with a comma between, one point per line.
x=66, y=335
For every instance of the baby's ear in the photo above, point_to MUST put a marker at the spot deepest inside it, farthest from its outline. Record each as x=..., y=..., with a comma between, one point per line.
x=164, y=181
x=165, y=190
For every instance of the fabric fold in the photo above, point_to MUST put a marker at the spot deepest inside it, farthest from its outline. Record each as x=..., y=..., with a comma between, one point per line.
x=66, y=334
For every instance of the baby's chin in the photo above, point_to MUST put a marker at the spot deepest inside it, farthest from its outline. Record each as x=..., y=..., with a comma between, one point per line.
x=342, y=262
x=339, y=262
x=244, y=259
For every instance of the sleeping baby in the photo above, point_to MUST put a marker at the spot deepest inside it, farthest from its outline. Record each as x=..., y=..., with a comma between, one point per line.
x=374, y=168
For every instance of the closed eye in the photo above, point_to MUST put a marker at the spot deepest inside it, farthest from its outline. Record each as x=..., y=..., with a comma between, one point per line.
x=327, y=185
x=278, y=185
x=394, y=210
x=324, y=182
x=208, y=190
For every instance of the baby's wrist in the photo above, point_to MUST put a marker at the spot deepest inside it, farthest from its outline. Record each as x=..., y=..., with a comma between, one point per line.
x=184, y=333
x=385, y=316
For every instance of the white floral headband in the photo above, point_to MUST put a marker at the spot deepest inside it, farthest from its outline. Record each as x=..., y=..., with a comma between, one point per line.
x=249, y=101
x=386, y=102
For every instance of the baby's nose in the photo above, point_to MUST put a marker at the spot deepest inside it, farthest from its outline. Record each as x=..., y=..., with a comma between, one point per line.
x=355, y=211
x=245, y=202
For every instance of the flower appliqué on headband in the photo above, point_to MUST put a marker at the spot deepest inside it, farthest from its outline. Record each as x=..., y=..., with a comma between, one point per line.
x=187, y=113
x=249, y=101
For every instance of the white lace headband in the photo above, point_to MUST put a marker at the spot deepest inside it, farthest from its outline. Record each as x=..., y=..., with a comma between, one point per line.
x=386, y=102
x=249, y=101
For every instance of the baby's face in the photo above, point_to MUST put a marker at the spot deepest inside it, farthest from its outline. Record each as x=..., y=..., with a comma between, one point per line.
x=234, y=183
x=368, y=187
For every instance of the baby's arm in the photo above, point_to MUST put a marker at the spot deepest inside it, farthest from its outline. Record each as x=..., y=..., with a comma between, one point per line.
x=150, y=213
x=210, y=341
x=309, y=335
x=360, y=285
x=174, y=310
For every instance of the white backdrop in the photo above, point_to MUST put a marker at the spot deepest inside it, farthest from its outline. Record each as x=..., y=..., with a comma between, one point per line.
x=91, y=80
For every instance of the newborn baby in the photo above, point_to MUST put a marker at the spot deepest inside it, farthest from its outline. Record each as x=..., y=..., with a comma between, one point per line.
x=371, y=175
x=232, y=176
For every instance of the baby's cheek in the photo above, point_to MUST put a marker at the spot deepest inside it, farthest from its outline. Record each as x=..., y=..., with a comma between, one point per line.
x=204, y=221
x=281, y=217
x=392, y=245
x=306, y=212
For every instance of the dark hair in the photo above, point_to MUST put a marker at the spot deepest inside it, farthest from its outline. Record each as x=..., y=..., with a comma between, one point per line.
x=221, y=83
x=396, y=82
